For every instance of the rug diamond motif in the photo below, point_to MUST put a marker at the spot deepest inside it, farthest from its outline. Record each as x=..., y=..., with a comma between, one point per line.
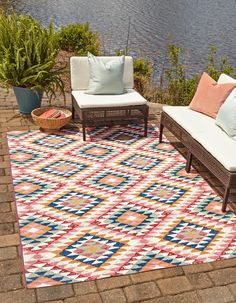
x=116, y=204
x=191, y=235
x=92, y=250
x=54, y=141
x=112, y=180
x=36, y=231
x=124, y=137
x=19, y=134
x=141, y=162
x=154, y=260
x=42, y=278
x=22, y=157
x=63, y=168
x=179, y=173
x=163, y=193
x=209, y=207
x=96, y=152
x=159, y=147
x=76, y=203
x=29, y=187
x=131, y=218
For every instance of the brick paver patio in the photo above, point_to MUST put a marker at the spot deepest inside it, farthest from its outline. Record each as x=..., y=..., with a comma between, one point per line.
x=206, y=283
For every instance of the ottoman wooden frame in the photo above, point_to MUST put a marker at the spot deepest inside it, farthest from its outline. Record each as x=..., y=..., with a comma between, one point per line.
x=108, y=114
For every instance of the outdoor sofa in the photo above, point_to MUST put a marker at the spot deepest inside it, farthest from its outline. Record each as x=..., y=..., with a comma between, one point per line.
x=205, y=141
x=207, y=128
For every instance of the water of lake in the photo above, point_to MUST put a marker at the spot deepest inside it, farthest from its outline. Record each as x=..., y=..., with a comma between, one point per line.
x=191, y=24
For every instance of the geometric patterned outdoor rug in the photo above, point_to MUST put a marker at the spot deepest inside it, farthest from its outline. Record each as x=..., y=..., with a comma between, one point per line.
x=116, y=204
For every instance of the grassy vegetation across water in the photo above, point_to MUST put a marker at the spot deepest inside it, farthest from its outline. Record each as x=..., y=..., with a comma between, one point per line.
x=174, y=85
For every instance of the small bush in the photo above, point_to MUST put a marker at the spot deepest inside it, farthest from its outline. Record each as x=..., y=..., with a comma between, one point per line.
x=177, y=88
x=142, y=67
x=224, y=67
x=78, y=38
x=142, y=75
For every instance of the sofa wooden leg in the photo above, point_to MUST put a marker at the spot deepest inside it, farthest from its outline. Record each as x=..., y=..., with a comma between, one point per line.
x=73, y=112
x=84, y=131
x=225, y=200
x=72, y=107
x=83, y=116
x=189, y=161
x=145, y=114
x=161, y=132
x=145, y=126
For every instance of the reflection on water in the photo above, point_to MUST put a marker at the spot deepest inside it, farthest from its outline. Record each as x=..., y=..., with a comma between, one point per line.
x=192, y=24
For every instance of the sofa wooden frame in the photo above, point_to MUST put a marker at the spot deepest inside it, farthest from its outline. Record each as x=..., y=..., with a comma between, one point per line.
x=227, y=178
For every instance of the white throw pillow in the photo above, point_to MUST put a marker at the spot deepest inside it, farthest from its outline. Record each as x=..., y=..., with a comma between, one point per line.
x=225, y=79
x=226, y=116
x=105, y=78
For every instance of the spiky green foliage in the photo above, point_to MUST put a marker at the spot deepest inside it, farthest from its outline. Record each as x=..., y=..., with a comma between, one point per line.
x=180, y=89
x=78, y=38
x=28, y=54
x=223, y=66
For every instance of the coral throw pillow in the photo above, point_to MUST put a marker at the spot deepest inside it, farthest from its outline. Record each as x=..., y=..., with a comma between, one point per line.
x=210, y=96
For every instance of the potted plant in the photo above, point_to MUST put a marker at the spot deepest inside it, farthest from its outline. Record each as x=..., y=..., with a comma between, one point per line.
x=28, y=60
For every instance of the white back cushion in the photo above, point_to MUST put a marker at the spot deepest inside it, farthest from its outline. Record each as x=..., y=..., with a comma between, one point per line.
x=226, y=116
x=79, y=71
x=225, y=79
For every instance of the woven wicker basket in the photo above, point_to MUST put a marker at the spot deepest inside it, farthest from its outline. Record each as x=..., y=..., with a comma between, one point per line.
x=50, y=123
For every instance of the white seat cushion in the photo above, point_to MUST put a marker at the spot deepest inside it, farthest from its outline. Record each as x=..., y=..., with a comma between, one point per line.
x=220, y=145
x=190, y=120
x=131, y=97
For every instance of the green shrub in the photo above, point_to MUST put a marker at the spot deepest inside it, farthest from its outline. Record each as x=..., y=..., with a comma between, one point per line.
x=28, y=54
x=175, y=87
x=213, y=70
x=178, y=89
x=78, y=38
x=142, y=76
x=142, y=67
